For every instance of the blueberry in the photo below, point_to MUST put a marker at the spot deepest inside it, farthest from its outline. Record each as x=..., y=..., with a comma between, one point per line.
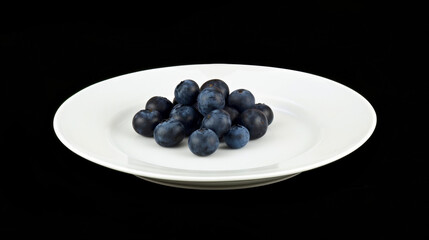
x=266, y=110
x=186, y=92
x=237, y=137
x=169, y=133
x=160, y=104
x=144, y=121
x=241, y=99
x=203, y=142
x=217, y=120
x=188, y=116
x=255, y=121
x=210, y=99
x=233, y=113
x=221, y=85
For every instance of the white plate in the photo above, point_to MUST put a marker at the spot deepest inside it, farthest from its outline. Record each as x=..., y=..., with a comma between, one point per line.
x=316, y=121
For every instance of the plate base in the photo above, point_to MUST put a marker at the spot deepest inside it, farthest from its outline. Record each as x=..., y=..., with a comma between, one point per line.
x=222, y=185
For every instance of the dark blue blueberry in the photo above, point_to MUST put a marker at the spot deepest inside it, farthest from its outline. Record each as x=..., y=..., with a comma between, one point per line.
x=221, y=85
x=203, y=142
x=144, y=121
x=217, y=120
x=255, y=121
x=241, y=99
x=186, y=92
x=210, y=99
x=188, y=116
x=266, y=110
x=237, y=137
x=160, y=104
x=169, y=133
x=233, y=113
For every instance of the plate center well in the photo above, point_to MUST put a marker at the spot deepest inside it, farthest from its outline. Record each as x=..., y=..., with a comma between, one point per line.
x=291, y=133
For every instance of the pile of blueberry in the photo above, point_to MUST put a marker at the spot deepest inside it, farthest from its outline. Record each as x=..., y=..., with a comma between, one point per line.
x=206, y=115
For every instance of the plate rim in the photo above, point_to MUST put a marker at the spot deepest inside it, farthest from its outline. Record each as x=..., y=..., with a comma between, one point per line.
x=211, y=178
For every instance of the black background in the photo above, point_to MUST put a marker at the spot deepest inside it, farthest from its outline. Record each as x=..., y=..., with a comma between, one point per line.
x=377, y=191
